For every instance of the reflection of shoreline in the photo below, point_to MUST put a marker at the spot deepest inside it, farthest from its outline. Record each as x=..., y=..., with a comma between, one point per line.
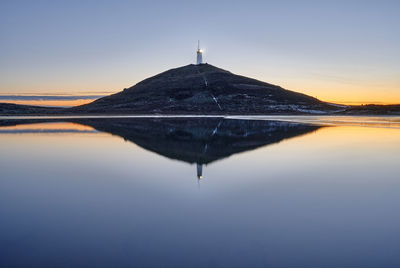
x=199, y=141
x=46, y=131
x=47, y=127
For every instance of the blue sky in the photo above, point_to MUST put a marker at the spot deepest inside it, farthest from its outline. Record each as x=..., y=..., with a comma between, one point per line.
x=344, y=51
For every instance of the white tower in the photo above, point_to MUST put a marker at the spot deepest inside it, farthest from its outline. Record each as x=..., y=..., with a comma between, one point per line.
x=199, y=54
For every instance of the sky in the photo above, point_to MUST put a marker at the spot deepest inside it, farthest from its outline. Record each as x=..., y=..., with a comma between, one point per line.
x=338, y=51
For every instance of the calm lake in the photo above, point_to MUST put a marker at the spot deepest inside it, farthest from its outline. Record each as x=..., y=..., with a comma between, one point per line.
x=281, y=191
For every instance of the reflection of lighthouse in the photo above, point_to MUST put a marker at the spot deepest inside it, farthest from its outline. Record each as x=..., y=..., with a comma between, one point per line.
x=199, y=54
x=199, y=171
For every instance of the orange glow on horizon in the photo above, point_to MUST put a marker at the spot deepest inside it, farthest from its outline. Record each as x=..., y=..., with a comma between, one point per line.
x=56, y=103
x=356, y=94
x=71, y=103
x=364, y=92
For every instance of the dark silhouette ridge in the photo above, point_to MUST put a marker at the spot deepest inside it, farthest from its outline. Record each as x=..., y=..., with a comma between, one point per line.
x=18, y=109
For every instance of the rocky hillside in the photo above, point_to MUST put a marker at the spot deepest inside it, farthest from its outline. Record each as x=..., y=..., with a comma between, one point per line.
x=205, y=89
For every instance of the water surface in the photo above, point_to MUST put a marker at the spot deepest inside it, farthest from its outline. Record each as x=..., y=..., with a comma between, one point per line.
x=200, y=192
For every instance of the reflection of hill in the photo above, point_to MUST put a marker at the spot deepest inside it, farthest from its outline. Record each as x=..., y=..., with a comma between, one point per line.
x=192, y=140
x=199, y=140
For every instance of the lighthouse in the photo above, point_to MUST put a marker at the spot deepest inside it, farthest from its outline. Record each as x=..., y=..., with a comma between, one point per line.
x=199, y=54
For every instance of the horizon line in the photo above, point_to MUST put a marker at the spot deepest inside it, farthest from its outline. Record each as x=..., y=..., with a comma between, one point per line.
x=69, y=99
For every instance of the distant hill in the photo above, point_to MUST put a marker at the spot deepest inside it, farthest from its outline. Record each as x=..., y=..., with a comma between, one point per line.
x=372, y=109
x=17, y=109
x=205, y=89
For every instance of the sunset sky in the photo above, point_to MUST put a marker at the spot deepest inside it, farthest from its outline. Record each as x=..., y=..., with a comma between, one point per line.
x=338, y=51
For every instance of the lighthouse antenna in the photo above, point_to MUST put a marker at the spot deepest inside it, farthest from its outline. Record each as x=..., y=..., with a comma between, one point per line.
x=198, y=44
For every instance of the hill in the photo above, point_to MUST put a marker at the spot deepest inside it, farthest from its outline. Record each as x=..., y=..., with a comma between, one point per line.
x=205, y=89
x=372, y=109
x=17, y=109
